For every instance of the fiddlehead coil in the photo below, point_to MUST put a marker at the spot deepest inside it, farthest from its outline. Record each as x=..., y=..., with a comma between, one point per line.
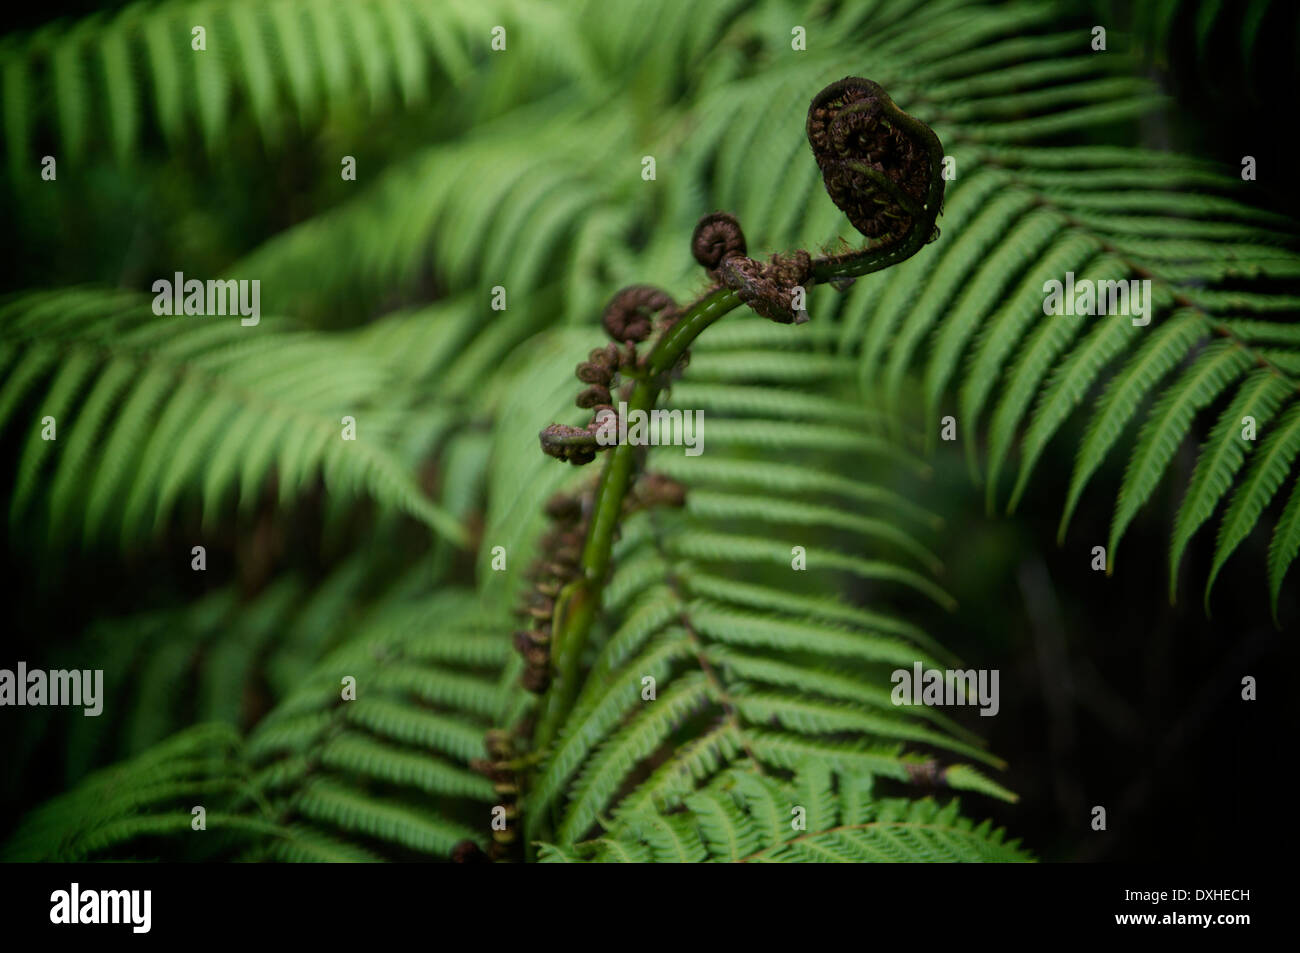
x=881, y=167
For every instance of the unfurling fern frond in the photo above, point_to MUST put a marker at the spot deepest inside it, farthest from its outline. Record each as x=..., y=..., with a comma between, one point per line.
x=751, y=671
x=765, y=662
x=1025, y=207
x=1019, y=214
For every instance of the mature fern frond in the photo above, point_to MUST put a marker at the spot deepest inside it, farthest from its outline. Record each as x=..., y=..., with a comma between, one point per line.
x=169, y=408
x=1055, y=367
x=820, y=817
x=1017, y=214
x=146, y=804
x=490, y=189
x=970, y=312
x=389, y=770
x=220, y=659
x=261, y=62
x=324, y=777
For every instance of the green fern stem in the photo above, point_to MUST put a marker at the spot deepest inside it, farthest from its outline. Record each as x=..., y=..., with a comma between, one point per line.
x=578, y=603
x=576, y=608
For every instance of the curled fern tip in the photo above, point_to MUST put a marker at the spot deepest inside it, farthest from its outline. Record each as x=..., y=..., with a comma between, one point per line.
x=880, y=165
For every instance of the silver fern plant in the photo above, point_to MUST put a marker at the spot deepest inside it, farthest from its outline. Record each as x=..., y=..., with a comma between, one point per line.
x=820, y=427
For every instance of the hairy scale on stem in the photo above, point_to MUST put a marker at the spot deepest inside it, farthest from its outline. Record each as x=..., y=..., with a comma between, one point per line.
x=881, y=167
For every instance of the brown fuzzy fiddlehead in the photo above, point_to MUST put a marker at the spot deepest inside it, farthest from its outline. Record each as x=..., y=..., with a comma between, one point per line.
x=875, y=170
x=718, y=244
x=630, y=315
x=555, y=567
x=881, y=167
x=717, y=237
x=501, y=768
